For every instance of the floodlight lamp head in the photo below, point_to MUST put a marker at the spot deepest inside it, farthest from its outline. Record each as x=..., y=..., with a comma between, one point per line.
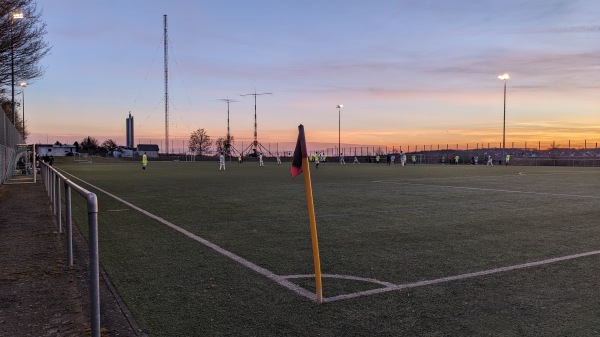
x=17, y=15
x=339, y=106
x=23, y=84
x=504, y=77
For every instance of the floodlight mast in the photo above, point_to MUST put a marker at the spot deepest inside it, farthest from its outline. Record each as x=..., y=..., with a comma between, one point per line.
x=504, y=77
x=15, y=15
x=255, y=144
x=23, y=85
x=339, y=107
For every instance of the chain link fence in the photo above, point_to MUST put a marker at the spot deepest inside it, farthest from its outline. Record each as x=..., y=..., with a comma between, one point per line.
x=9, y=138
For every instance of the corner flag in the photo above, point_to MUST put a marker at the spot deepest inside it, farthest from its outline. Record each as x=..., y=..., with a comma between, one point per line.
x=299, y=164
x=299, y=153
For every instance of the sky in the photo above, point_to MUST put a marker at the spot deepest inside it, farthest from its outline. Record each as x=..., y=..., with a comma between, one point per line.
x=408, y=72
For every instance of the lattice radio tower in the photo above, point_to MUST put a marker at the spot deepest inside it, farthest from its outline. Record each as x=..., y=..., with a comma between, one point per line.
x=256, y=145
x=166, y=86
x=228, y=145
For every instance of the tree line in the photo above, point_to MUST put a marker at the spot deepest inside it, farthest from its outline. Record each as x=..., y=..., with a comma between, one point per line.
x=199, y=143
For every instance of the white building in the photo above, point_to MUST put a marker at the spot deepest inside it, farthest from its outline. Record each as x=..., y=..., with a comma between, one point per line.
x=54, y=150
x=151, y=150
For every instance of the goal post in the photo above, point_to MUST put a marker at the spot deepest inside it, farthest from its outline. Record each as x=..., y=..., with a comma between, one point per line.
x=83, y=158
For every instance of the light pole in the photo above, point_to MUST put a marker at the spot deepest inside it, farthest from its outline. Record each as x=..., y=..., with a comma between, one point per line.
x=23, y=85
x=339, y=107
x=504, y=77
x=15, y=15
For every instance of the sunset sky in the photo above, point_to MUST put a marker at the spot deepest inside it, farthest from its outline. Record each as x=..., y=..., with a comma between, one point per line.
x=407, y=72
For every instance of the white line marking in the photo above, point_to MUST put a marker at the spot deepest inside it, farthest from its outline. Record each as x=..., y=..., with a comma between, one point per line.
x=344, y=277
x=459, y=277
x=270, y=275
x=487, y=189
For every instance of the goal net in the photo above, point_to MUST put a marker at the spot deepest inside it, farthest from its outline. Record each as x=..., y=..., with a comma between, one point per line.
x=82, y=158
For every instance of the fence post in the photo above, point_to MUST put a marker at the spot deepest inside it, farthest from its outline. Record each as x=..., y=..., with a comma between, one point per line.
x=57, y=204
x=92, y=205
x=69, y=224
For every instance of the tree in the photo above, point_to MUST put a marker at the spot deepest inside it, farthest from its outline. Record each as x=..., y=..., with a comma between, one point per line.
x=223, y=145
x=23, y=38
x=199, y=142
x=109, y=145
x=89, y=144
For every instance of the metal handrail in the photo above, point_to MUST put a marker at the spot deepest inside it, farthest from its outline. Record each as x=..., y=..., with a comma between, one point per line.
x=52, y=179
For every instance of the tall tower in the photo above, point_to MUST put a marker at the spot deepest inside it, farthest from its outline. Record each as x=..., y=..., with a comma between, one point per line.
x=129, y=128
x=166, y=87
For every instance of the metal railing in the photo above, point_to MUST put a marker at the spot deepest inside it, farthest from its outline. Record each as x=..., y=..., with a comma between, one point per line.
x=52, y=180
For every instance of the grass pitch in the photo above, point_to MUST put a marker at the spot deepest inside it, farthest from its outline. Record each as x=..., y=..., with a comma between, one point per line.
x=382, y=229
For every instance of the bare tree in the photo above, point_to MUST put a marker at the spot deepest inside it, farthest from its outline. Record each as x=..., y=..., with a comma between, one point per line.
x=109, y=145
x=224, y=145
x=89, y=144
x=23, y=38
x=199, y=142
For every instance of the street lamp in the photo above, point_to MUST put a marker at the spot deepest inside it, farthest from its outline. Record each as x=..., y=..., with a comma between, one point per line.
x=504, y=77
x=339, y=107
x=23, y=85
x=15, y=15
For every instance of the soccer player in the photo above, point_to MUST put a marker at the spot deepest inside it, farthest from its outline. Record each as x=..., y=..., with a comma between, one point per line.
x=356, y=160
x=260, y=160
x=278, y=160
x=144, y=161
x=221, y=162
x=342, y=162
x=239, y=158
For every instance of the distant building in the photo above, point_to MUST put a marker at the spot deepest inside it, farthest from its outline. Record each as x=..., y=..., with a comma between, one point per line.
x=124, y=152
x=55, y=150
x=129, y=128
x=151, y=150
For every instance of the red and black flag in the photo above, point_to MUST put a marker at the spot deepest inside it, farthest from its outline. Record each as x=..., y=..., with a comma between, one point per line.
x=299, y=153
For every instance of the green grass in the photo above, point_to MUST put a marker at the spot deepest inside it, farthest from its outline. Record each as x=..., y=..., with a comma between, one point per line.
x=394, y=224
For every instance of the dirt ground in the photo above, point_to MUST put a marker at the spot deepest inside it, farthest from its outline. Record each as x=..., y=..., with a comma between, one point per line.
x=40, y=295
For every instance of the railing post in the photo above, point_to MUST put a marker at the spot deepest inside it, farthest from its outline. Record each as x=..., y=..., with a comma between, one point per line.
x=69, y=224
x=57, y=206
x=50, y=185
x=92, y=205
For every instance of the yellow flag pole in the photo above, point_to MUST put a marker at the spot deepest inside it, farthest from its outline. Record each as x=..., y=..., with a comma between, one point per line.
x=313, y=229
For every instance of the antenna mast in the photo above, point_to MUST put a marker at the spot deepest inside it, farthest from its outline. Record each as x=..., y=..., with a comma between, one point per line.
x=166, y=86
x=228, y=139
x=255, y=144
